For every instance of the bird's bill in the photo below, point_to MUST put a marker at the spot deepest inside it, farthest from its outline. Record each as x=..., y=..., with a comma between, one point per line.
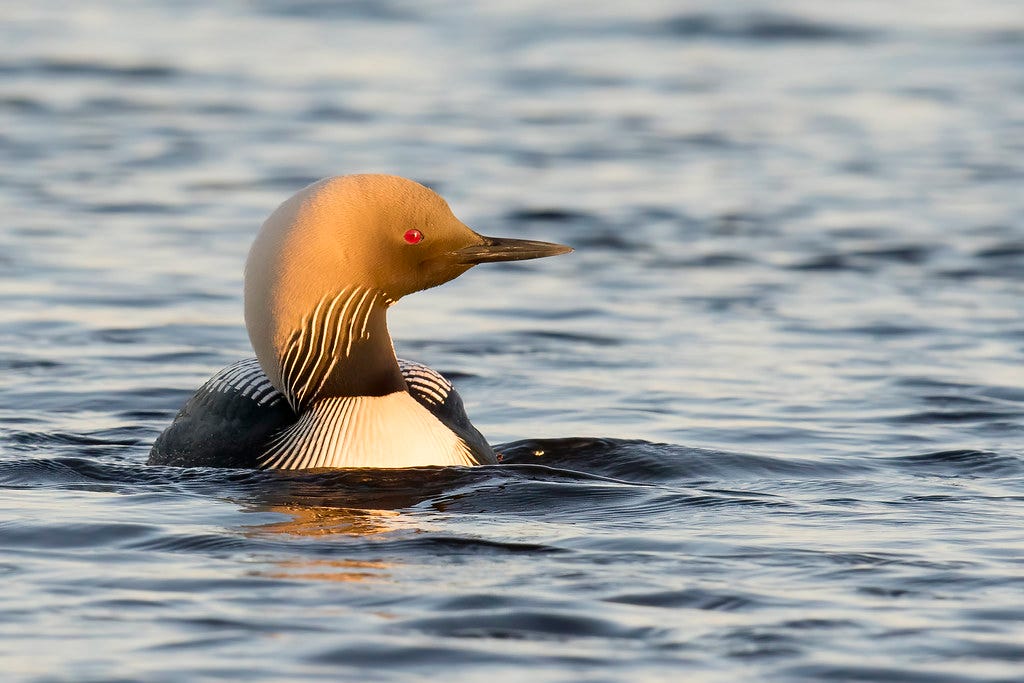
x=507, y=249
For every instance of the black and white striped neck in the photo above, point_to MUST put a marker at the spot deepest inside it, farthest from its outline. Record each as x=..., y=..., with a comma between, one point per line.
x=341, y=349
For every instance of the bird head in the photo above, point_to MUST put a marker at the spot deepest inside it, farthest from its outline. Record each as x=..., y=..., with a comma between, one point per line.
x=381, y=235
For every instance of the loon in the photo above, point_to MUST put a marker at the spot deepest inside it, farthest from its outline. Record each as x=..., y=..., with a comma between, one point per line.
x=326, y=389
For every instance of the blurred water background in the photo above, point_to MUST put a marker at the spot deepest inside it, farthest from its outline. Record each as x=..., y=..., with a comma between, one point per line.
x=765, y=423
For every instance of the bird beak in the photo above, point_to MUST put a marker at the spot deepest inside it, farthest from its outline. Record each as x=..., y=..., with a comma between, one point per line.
x=507, y=249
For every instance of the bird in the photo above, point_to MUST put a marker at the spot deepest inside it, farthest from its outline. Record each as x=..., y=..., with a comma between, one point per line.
x=325, y=388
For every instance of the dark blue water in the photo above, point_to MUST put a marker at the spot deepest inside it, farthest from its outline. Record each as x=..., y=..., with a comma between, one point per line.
x=767, y=423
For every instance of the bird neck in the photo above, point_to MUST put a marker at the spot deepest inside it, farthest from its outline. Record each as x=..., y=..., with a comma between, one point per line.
x=342, y=348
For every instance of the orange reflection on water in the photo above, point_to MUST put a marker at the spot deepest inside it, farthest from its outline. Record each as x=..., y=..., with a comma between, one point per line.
x=327, y=521
x=345, y=571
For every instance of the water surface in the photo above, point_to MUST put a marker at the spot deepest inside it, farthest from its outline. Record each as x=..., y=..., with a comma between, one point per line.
x=764, y=424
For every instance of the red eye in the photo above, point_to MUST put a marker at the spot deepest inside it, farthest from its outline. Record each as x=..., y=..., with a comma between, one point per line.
x=413, y=236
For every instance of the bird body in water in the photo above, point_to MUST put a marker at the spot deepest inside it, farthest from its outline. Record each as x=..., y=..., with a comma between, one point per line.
x=325, y=388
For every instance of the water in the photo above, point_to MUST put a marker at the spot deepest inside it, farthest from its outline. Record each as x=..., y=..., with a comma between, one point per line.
x=767, y=423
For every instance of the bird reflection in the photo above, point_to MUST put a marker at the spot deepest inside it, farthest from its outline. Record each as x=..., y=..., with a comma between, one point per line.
x=342, y=571
x=343, y=504
x=327, y=521
x=319, y=521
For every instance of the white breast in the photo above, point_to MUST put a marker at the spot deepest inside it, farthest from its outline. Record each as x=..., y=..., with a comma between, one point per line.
x=366, y=431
